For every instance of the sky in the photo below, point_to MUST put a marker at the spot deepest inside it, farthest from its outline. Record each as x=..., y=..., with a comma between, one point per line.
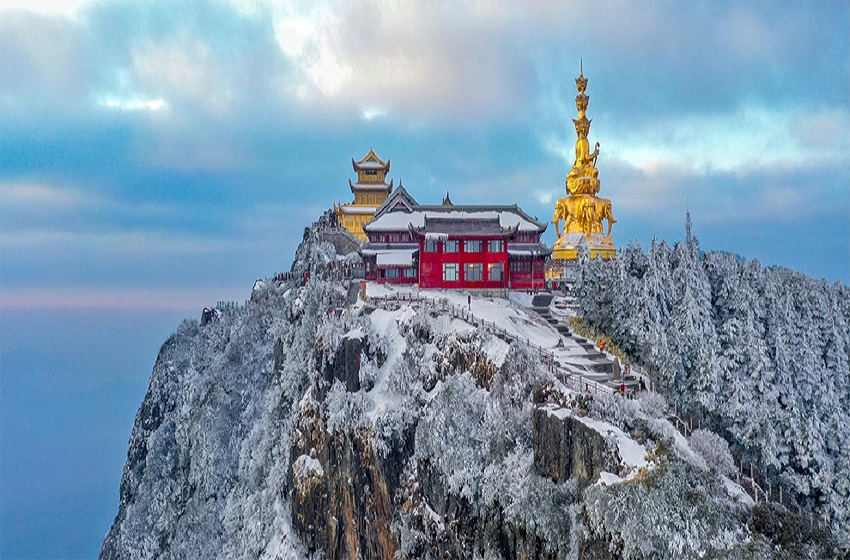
x=156, y=157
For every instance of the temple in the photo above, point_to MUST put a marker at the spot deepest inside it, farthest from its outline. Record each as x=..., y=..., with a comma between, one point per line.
x=581, y=210
x=370, y=191
x=480, y=247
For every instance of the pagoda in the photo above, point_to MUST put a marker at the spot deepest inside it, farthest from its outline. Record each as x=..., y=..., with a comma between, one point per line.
x=370, y=191
x=582, y=211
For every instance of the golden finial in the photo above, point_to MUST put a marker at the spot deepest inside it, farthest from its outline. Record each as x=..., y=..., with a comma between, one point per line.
x=581, y=81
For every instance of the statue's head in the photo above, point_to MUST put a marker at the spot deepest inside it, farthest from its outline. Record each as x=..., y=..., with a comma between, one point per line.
x=581, y=103
x=582, y=126
x=581, y=83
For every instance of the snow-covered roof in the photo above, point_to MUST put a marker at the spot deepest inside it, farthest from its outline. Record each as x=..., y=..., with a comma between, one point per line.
x=399, y=201
x=528, y=249
x=378, y=187
x=395, y=257
x=372, y=249
x=452, y=225
x=508, y=216
x=370, y=161
x=357, y=209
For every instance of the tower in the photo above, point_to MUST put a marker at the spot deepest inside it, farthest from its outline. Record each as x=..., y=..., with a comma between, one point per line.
x=370, y=191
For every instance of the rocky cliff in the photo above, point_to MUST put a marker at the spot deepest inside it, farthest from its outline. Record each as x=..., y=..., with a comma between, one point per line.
x=304, y=427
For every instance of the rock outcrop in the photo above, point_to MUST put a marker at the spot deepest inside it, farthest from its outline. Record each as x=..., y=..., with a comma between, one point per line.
x=564, y=447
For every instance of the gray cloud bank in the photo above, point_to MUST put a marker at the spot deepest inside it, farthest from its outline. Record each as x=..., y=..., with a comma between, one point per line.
x=160, y=146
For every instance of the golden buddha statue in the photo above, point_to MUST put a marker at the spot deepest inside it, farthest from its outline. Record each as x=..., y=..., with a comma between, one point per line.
x=582, y=212
x=583, y=178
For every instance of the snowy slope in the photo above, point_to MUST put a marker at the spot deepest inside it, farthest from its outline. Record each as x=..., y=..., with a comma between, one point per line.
x=290, y=429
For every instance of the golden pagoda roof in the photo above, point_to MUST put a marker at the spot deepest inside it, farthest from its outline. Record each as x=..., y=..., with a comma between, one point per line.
x=371, y=161
x=377, y=187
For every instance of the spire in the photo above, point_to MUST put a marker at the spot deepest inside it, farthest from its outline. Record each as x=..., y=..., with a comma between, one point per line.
x=447, y=201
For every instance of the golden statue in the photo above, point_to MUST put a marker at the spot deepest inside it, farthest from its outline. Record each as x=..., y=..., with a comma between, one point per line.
x=582, y=211
x=583, y=178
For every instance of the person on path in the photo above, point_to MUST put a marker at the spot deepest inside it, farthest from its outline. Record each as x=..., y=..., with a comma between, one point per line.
x=469, y=301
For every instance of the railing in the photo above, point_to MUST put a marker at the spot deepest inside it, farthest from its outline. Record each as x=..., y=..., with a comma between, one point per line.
x=230, y=305
x=571, y=379
x=746, y=479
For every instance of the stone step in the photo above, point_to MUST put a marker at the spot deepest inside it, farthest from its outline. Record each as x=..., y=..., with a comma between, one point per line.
x=602, y=367
x=541, y=300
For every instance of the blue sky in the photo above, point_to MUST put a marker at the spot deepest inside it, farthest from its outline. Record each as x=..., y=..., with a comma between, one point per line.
x=158, y=156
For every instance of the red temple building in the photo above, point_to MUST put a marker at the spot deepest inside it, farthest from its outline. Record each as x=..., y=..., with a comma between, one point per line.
x=454, y=246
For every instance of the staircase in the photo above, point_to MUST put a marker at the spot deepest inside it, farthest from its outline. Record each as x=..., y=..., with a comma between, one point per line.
x=590, y=362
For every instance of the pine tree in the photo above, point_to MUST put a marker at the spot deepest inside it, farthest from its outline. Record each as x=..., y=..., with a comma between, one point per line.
x=691, y=333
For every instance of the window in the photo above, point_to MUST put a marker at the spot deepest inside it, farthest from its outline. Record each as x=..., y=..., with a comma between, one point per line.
x=473, y=272
x=452, y=246
x=430, y=246
x=450, y=272
x=495, y=246
x=391, y=273
x=472, y=245
x=394, y=238
x=495, y=272
x=410, y=273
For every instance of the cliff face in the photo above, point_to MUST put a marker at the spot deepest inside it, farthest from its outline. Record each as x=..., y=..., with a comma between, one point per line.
x=290, y=430
x=565, y=448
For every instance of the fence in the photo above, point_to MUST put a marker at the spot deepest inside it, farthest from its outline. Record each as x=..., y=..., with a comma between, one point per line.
x=747, y=479
x=572, y=380
x=230, y=305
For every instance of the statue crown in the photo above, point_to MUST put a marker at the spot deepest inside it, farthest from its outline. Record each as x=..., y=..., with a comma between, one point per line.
x=582, y=124
x=581, y=83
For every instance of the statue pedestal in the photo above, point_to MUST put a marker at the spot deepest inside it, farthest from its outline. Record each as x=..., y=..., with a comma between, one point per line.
x=567, y=246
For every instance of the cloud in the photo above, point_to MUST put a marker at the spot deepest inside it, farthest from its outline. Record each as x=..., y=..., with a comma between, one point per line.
x=124, y=298
x=202, y=111
x=134, y=104
x=36, y=72
x=32, y=194
x=739, y=142
x=68, y=8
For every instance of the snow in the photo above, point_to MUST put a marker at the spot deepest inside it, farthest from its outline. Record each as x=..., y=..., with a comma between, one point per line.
x=397, y=257
x=607, y=479
x=306, y=466
x=434, y=516
x=229, y=426
x=737, y=493
x=501, y=312
x=395, y=221
x=357, y=209
x=632, y=453
x=355, y=334
x=558, y=412
x=496, y=349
